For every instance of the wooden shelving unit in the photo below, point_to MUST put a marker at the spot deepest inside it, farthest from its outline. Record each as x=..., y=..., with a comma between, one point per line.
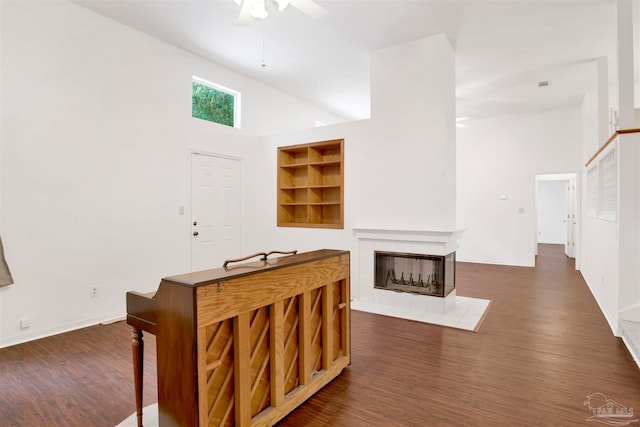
x=311, y=185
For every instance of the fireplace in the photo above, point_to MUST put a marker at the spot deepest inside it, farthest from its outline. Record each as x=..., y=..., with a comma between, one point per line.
x=432, y=275
x=428, y=246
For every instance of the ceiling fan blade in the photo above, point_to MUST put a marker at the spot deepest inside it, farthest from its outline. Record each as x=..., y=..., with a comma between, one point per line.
x=245, y=18
x=309, y=8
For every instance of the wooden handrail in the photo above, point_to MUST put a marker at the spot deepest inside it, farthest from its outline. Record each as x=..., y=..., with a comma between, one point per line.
x=611, y=138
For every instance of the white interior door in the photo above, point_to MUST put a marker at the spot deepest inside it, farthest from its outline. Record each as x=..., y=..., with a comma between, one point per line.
x=215, y=211
x=569, y=246
x=558, y=194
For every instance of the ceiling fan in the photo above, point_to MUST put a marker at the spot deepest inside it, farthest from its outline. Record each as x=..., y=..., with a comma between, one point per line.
x=257, y=9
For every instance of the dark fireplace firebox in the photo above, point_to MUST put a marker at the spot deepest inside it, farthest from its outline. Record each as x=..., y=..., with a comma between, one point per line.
x=432, y=275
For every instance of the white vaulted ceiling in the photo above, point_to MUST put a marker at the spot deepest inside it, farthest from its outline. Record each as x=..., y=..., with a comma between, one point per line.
x=503, y=48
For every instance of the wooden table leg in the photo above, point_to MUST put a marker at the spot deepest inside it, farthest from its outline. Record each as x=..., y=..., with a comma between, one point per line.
x=137, y=347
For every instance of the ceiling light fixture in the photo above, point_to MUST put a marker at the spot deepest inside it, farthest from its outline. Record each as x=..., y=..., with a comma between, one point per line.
x=282, y=4
x=257, y=9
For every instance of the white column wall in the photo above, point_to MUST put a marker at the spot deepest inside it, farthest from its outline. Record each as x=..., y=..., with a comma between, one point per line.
x=413, y=114
x=598, y=256
x=636, y=59
x=629, y=222
x=604, y=130
x=625, y=60
x=591, y=129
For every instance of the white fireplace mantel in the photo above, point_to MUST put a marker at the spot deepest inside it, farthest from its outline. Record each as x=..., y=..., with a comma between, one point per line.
x=452, y=310
x=417, y=241
x=442, y=241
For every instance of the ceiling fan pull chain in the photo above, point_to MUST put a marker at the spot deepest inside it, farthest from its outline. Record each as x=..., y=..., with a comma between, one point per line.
x=264, y=63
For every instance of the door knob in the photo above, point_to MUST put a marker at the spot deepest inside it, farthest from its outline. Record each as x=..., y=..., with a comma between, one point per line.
x=195, y=233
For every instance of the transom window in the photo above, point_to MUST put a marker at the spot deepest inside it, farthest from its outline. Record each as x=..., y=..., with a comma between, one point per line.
x=215, y=103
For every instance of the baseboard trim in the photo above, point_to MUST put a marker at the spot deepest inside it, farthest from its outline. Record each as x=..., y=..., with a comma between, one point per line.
x=114, y=320
x=44, y=333
x=631, y=350
x=613, y=324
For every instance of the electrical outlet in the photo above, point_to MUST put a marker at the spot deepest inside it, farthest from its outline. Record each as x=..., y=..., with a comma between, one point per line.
x=25, y=323
x=93, y=292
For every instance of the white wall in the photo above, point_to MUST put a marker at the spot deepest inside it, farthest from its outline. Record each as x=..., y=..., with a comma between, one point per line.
x=599, y=264
x=96, y=135
x=552, y=212
x=590, y=129
x=500, y=156
x=610, y=261
x=611, y=249
x=629, y=222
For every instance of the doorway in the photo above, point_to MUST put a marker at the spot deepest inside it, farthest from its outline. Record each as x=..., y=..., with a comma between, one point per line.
x=556, y=210
x=215, y=228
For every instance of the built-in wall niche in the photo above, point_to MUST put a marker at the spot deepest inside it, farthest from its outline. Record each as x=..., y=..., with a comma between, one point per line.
x=311, y=185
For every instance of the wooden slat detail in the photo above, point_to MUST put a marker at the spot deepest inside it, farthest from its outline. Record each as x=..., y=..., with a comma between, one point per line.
x=291, y=343
x=216, y=356
x=304, y=344
x=276, y=356
x=213, y=365
x=345, y=315
x=294, y=399
x=249, y=293
x=316, y=327
x=221, y=413
x=242, y=366
x=203, y=402
x=259, y=361
x=254, y=363
x=336, y=325
x=327, y=325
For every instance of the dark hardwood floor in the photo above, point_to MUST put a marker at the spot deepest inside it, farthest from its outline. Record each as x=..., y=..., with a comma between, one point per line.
x=543, y=347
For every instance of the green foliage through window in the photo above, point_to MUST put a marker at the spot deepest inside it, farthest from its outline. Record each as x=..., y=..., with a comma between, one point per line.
x=211, y=104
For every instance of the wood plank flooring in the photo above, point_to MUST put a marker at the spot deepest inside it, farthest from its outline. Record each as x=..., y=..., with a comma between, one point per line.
x=543, y=347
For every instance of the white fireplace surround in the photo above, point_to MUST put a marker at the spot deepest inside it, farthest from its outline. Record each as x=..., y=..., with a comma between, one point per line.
x=437, y=242
x=408, y=305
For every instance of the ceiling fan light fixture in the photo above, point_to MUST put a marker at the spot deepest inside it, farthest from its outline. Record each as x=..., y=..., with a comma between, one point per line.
x=282, y=4
x=259, y=10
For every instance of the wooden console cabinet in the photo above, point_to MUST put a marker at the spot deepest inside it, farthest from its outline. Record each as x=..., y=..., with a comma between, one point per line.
x=311, y=185
x=244, y=345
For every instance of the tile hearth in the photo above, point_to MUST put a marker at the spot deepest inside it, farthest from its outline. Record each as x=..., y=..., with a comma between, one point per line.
x=467, y=314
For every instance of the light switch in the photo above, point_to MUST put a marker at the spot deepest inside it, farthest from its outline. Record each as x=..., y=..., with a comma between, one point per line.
x=520, y=210
x=504, y=196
